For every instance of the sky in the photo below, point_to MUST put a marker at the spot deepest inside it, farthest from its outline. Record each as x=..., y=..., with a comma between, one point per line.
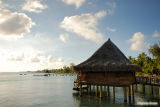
x=50, y=34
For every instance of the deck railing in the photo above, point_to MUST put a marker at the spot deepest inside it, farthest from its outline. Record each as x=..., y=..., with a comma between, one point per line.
x=148, y=80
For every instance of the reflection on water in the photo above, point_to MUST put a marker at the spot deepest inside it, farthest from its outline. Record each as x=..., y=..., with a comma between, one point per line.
x=56, y=91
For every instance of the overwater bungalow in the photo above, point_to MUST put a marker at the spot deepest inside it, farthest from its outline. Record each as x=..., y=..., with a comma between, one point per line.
x=108, y=66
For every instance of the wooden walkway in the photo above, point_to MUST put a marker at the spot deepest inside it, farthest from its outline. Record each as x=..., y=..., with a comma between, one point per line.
x=148, y=80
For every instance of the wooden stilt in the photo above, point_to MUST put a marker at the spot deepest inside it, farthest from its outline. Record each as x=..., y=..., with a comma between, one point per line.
x=143, y=86
x=136, y=88
x=129, y=93
x=100, y=91
x=113, y=92
x=125, y=94
x=96, y=90
x=159, y=91
x=80, y=91
x=108, y=93
x=132, y=92
x=152, y=89
x=89, y=89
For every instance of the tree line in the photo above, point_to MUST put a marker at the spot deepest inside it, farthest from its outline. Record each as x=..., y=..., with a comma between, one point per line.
x=149, y=65
x=65, y=69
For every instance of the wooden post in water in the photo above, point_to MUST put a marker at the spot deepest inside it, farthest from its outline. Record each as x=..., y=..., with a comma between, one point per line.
x=152, y=89
x=132, y=92
x=80, y=91
x=89, y=89
x=129, y=93
x=113, y=92
x=108, y=93
x=125, y=94
x=100, y=91
x=159, y=91
x=96, y=90
x=143, y=86
x=136, y=88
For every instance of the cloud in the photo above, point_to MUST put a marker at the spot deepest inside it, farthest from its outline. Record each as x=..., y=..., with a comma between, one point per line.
x=84, y=25
x=34, y=6
x=35, y=58
x=111, y=29
x=138, y=43
x=14, y=24
x=4, y=5
x=16, y=57
x=156, y=34
x=63, y=37
x=77, y=3
x=28, y=61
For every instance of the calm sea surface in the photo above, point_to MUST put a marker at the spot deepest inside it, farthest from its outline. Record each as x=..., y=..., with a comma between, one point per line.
x=56, y=91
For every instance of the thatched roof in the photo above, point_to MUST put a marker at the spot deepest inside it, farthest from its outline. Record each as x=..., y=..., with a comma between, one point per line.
x=107, y=58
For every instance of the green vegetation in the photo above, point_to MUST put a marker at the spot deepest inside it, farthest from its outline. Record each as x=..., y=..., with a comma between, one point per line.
x=149, y=65
x=65, y=69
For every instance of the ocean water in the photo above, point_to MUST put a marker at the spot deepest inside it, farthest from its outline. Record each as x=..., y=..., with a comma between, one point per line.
x=56, y=91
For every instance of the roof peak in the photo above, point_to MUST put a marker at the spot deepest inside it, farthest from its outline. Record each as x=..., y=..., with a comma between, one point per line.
x=107, y=57
x=109, y=39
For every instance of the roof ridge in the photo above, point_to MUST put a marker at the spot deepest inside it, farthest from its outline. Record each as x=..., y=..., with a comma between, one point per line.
x=108, y=55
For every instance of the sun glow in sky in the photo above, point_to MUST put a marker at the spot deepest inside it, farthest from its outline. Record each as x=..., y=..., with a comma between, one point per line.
x=47, y=34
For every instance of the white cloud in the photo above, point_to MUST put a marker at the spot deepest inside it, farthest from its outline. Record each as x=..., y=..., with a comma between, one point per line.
x=16, y=57
x=35, y=58
x=111, y=29
x=34, y=6
x=29, y=53
x=28, y=61
x=138, y=43
x=63, y=37
x=156, y=34
x=84, y=25
x=14, y=24
x=77, y=3
x=4, y=5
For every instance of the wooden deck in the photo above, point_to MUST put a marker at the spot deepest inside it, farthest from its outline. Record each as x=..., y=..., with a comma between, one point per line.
x=148, y=80
x=145, y=80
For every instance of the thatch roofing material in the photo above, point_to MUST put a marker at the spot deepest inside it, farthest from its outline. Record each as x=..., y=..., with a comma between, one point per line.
x=107, y=58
